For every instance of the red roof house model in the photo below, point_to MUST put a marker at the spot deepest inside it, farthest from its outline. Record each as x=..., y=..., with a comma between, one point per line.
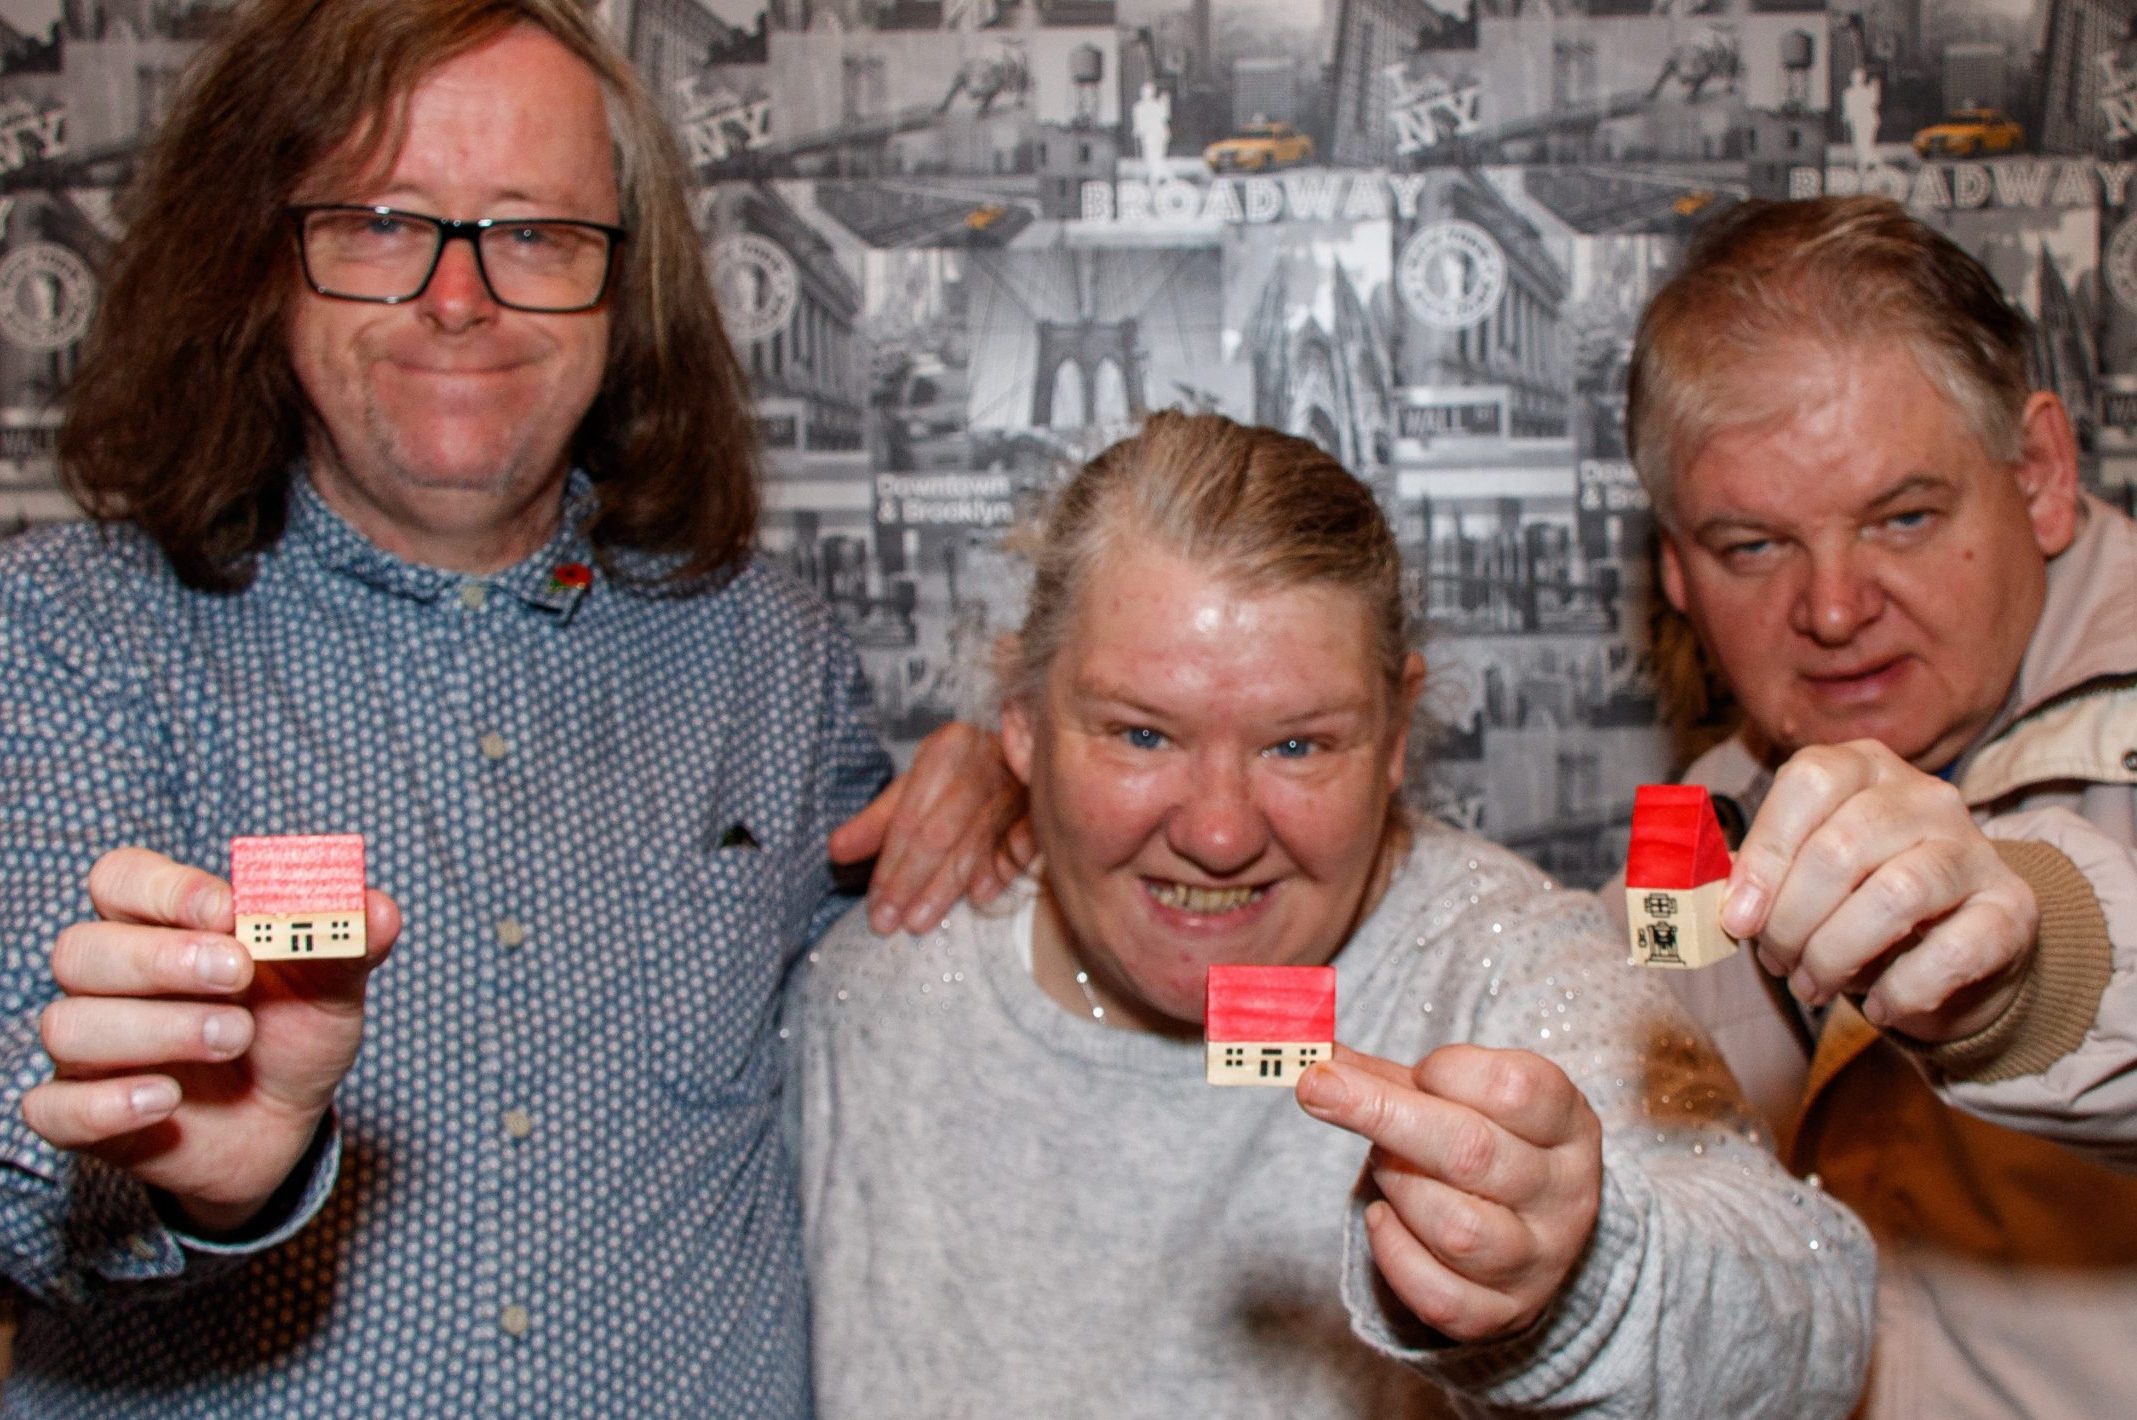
x=1270, y=1003
x=1676, y=840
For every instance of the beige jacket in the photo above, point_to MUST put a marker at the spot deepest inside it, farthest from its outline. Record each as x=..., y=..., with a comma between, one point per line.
x=2009, y=1278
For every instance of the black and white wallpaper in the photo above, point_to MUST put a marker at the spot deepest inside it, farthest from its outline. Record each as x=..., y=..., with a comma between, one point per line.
x=962, y=244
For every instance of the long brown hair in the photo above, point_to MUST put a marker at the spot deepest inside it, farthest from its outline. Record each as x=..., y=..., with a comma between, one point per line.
x=185, y=416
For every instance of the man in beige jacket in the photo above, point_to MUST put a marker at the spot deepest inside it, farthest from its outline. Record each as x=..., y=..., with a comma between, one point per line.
x=1873, y=523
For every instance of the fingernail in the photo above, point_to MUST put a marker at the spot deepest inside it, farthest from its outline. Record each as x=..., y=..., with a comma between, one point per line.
x=1322, y=1090
x=1874, y=1012
x=1804, y=989
x=216, y=966
x=153, y=1098
x=1742, y=908
x=883, y=919
x=1768, y=962
x=221, y=1032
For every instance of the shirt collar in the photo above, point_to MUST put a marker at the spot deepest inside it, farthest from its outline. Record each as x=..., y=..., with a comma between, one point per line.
x=554, y=579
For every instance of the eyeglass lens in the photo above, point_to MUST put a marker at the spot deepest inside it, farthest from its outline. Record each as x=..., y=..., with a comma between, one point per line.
x=390, y=257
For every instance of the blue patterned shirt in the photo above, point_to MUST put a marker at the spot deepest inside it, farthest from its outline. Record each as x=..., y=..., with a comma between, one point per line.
x=557, y=1184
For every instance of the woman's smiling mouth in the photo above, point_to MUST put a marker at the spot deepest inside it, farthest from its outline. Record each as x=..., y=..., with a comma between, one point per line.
x=1202, y=901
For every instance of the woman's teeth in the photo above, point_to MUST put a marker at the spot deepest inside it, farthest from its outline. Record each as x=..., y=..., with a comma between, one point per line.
x=1182, y=897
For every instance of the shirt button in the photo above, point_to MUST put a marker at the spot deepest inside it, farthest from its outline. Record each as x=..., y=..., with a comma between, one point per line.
x=473, y=595
x=514, y=1321
x=511, y=931
x=495, y=746
x=2129, y=760
x=518, y=1123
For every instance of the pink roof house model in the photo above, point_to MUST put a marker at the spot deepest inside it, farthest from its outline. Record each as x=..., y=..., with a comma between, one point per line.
x=1264, y=1025
x=299, y=896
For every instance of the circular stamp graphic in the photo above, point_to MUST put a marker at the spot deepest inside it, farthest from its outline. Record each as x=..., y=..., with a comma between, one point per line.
x=1451, y=274
x=757, y=285
x=46, y=294
x=2120, y=260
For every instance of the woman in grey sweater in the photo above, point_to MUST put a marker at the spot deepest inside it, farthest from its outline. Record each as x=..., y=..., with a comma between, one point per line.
x=1524, y=1185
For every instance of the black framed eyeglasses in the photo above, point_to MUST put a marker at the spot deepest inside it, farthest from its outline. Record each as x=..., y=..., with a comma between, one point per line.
x=551, y=264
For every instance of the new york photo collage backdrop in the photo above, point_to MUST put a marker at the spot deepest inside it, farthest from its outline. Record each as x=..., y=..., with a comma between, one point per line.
x=963, y=244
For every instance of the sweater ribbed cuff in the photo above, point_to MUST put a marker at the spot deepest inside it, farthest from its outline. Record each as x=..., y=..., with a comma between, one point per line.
x=1529, y=1368
x=2060, y=995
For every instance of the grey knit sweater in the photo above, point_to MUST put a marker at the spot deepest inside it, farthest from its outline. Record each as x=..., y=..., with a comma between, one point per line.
x=1017, y=1211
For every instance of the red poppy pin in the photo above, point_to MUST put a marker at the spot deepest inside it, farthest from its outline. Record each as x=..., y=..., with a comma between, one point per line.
x=570, y=577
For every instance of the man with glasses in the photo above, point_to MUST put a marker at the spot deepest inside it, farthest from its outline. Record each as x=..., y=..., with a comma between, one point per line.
x=423, y=479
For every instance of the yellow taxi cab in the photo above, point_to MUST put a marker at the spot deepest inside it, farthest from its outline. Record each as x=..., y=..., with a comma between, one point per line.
x=1970, y=132
x=1258, y=146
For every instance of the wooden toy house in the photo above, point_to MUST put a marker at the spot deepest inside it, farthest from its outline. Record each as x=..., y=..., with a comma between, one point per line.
x=1264, y=1025
x=299, y=896
x=1676, y=869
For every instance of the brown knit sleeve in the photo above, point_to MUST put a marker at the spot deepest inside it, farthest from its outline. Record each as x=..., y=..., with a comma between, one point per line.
x=2060, y=996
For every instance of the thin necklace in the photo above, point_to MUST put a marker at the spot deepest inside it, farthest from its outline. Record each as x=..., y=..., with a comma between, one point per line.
x=1090, y=997
x=1083, y=978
